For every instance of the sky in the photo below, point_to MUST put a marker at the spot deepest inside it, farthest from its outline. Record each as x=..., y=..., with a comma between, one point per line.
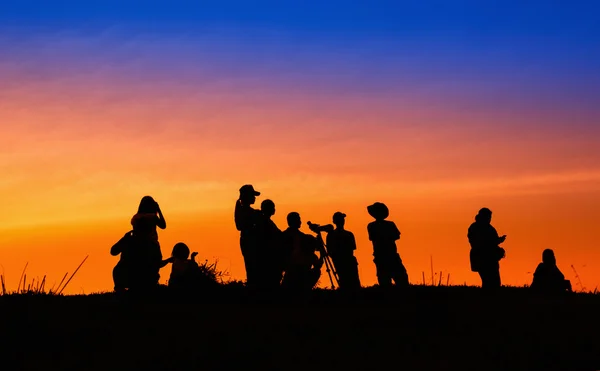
x=436, y=108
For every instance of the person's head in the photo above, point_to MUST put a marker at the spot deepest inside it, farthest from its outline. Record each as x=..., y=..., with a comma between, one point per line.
x=147, y=205
x=293, y=220
x=484, y=215
x=378, y=210
x=548, y=257
x=180, y=251
x=267, y=207
x=339, y=219
x=248, y=194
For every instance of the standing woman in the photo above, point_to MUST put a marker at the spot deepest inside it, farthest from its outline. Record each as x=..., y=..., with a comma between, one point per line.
x=148, y=255
x=485, y=254
x=245, y=221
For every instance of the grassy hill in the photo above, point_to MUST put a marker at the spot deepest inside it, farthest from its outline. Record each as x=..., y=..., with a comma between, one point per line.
x=230, y=328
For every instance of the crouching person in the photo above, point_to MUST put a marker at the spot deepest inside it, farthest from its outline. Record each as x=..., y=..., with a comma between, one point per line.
x=184, y=272
x=548, y=279
x=302, y=264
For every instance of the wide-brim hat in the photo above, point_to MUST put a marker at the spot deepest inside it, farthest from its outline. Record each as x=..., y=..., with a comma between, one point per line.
x=248, y=189
x=378, y=210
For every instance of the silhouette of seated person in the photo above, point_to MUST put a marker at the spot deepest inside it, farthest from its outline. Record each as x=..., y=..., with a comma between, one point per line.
x=384, y=234
x=301, y=260
x=548, y=278
x=246, y=219
x=485, y=254
x=341, y=245
x=184, y=271
x=270, y=253
x=138, y=265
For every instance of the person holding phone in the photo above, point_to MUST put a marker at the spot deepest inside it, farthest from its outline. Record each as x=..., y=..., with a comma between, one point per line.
x=485, y=254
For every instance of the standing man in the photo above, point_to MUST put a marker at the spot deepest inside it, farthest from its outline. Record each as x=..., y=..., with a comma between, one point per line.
x=384, y=234
x=270, y=252
x=485, y=253
x=245, y=221
x=340, y=246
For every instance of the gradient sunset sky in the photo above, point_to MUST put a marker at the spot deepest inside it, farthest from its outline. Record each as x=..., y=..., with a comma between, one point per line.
x=436, y=108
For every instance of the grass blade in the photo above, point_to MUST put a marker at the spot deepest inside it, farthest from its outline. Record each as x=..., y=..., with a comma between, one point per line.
x=70, y=278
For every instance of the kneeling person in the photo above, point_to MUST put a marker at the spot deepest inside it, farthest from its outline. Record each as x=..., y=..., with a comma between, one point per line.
x=301, y=259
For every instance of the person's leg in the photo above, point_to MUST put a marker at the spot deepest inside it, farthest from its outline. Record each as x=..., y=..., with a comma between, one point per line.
x=483, y=274
x=119, y=278
x=495, y=276
x=384, y=278
x=400, y=274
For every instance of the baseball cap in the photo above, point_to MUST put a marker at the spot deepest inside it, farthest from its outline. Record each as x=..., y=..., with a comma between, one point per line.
x=248, y=189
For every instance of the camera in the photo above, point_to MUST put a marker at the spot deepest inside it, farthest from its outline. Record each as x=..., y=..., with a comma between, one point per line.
x=317, y=228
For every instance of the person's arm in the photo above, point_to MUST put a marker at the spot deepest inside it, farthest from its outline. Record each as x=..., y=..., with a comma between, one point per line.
x=165, y=262
x=117, y=248
x=162, y=224
x=194, y=256
x=352, y=241
x=370, y=232
x=396, y=232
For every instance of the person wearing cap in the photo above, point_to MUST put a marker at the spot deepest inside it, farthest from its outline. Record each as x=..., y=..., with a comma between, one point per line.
x=340, y=246
x=485, y=251
x=245, y=221
x=384, y=234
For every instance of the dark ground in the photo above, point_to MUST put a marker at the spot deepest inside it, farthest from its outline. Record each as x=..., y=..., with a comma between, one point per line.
x=423, y=328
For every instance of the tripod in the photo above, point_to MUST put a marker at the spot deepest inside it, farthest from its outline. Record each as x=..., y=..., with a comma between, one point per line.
x=329, y=267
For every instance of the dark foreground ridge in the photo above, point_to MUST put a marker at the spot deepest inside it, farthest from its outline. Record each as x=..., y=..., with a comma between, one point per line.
x=232, y=328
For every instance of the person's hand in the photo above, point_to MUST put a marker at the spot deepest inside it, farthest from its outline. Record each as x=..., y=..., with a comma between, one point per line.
x=194, y=254
x=502, y=238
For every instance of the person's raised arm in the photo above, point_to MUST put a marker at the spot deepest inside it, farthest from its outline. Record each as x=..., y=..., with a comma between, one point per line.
x=118, y=247
x=162, y=224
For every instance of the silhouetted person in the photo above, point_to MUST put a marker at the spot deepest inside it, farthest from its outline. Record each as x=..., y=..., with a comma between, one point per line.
x=548, y=278
x=301, y=259
x=184, y=271
x=245, y=221
x=123, y=271
x=148, y=217
x=384, y=234
x=485, y=253
x=340, y=246
x=141, y=258
x=270, y=252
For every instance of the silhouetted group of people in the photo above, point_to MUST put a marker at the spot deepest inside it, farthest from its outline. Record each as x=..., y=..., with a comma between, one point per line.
x=141, y=257
x=292, y=259
x=486, y=253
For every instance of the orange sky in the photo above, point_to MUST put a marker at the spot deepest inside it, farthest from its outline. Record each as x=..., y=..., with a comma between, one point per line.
x=77, y=156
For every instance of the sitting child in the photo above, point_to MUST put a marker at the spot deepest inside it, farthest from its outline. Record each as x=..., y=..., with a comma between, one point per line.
x=184, y=271
x=548, y=278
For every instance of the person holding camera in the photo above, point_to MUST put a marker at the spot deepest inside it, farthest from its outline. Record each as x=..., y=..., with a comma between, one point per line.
x=301, y=260
x=341, y=245
x=485, y=254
